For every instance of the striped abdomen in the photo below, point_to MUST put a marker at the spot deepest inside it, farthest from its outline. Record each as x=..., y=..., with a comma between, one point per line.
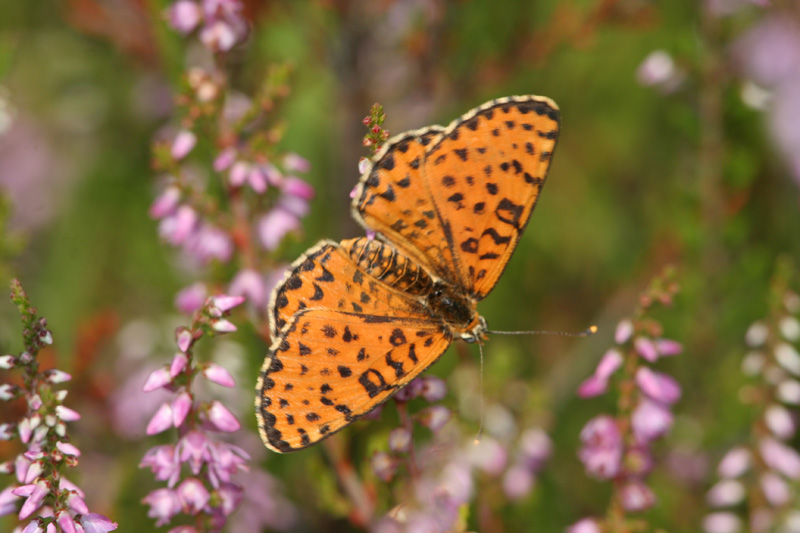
x=384, y=262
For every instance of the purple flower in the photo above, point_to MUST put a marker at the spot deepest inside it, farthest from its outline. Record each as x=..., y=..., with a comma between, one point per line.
x=646, y=348
x=780, y=457
x=177, y=227
x=224, y=461
x=164, y=504
x=658, y=70
x=650, y=420
x=274, y=226
x=193, y=495
x=161, y=421
x=294, y=186
x=658, y=386
x=735, y=463
x=181, y=406
x=251, y=285
x=191, y=298
x=218, y=374
x=636, y=496
x=586, y=525
x=295, y=163
x=598, y=382
x=164, y=462
x=221, y=419
x=722, y=523
x=384, y=466
x=518, y=482
x=400, y=440
x=225, y=159
x=166, y=203
x=157, y=379
x=208, y=243
x=775, y=489
x=602, y=449
x=434, y=417
x=34, y=495
x=96, y=523
x=726, y=493
x=623, y=332
x=183, y=144
x=184, y=16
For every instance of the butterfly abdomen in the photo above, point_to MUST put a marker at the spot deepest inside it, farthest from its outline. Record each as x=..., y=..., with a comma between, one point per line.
x=390, y=266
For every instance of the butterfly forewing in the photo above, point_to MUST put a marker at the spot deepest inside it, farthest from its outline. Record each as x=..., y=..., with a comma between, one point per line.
x=485, y=174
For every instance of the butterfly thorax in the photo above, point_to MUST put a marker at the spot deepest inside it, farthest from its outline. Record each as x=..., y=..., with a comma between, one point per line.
x=391, y=266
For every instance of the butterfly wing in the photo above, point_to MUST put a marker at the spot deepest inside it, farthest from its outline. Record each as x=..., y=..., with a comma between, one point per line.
x=326, y=277
x=478, y=179
x=329, y=367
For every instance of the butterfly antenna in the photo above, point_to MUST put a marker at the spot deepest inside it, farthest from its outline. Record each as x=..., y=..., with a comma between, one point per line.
x=481, y=404
x=585, y=333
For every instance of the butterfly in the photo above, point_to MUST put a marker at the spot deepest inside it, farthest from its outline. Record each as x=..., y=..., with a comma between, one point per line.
x=355, y=321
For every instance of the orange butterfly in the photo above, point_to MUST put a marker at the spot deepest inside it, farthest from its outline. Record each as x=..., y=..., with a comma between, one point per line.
x=353, y=322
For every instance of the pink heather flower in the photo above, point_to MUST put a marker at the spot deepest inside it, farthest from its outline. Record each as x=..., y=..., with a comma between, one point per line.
x=56, y=376
x=488, y=455
x=219, y=36
x=295, y=163
x=658, y=386
x=223, y=326
x=75, y=501
x=623, y=332
x=33, y=472
x=180, y=360
x=775, y=489
x=191, y=298
x=601, y=453
x=735, y=463
x=193, y=495
x=770, y=52
x=225, y=460
x=157, y=379
x=294, y=186
x=384, y=466
x=224, y=303
x=780, y=422
x=219, y=375
x=650, y=421
x=257, y=179
x=164, y=504
x=166, y=202
x=434, y=417
x=222, y=419
x=636, y=496
x=363, y=167
x=722, y=523
x=725, y=493
x=66, y=414
x=251, y=285
x=96, y=523
x=274, y=226
x=646, y=348
x=164, y=462
x=181, y=406
x=177, y=227
x=231, y=496
x=667, y=347
x=225, y=159
x=786, y=356
x=598, y=382
x=161, y=421
x=780, y=457
x=586, y=525
x=433, y=389
x=184, y=338
x=184, y=16
x=208, y=243
x=400, y=440
x=657, y=69
x=238, y=173
x=35, y=495
x=517, y=482
x=68, y=449
x=789, y=392
x=756, y=334
x=65, y=522
x=8, y=501
x=535, y=448
x=7, y=362
x=183, y=144
x=194, y=449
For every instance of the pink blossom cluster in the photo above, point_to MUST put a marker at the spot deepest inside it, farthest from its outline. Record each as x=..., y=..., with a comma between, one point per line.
x=219, y=23
x=209, y=489
x=449, y=467
x=40, y=492
x=765, y=474
x=618, y=447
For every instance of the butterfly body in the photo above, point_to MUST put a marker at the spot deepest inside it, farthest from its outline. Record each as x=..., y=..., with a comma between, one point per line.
x=353, y=322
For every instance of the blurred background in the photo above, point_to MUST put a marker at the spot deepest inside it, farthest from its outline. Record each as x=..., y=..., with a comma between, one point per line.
x=679, y=146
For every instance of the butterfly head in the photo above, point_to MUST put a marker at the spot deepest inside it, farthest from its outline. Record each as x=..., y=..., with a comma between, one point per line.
x=457, y=311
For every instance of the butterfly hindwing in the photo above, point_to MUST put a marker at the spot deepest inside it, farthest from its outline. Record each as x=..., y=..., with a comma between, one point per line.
x=329, y=367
